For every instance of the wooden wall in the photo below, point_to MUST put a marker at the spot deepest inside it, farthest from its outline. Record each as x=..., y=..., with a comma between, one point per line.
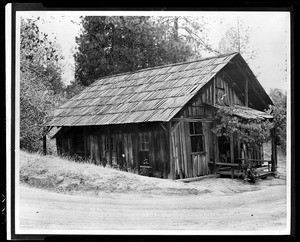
x=185, y=162
x=225, y=93
x=125, y=148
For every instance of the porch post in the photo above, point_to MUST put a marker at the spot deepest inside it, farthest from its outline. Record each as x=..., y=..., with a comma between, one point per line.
x=44, y=144
x=85, y=143
x=170, y=154
x=232, y=155
x=109, y=145
x=274, y=151
x=245, y=154
x=45, y=131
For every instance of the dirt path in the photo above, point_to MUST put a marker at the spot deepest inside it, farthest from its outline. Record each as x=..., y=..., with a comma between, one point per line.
x=255, y=210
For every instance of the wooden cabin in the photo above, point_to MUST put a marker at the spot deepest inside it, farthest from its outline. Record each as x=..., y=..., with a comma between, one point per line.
x=162, y=117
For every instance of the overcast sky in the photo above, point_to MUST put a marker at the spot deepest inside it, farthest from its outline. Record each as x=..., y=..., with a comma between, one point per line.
x=269, y=35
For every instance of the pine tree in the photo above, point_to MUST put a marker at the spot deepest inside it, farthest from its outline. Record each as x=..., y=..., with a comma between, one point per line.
x=111, y=45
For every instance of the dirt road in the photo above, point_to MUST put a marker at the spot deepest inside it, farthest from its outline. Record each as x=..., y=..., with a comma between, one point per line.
x=252, y=211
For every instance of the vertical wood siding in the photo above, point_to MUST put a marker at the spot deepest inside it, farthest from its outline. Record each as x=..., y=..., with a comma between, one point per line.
x=126, y=148
x=186, y=163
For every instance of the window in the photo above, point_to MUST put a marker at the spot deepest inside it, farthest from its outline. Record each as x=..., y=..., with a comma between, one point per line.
x=144, y=141
x=197, y=139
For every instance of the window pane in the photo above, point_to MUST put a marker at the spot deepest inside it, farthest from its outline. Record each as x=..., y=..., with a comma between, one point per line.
x=141, y=137
x=198, y=128
x=146, y=138
x=200, y=143
x=191, y=128
x=197, y=143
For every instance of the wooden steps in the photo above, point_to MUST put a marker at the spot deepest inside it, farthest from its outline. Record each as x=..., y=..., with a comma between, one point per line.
x=261, y=173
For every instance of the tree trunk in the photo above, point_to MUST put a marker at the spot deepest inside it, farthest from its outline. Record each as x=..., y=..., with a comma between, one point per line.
x=176, y=29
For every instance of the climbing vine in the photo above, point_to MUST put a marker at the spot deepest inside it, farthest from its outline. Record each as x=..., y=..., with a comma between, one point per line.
x=252, y=132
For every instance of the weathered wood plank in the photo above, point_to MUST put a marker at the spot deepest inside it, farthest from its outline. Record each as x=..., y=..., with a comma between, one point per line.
x=178, y=143
x=174, y=153
x=162, y=151
x=178, y=170
x=135, y=146
x=151, y=150
x=126, y=152
x=188, y=148
x=172, y=164
x=184, y=148
x=130, y=150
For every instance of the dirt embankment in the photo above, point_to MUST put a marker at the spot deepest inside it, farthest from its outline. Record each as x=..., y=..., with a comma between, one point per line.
x=64, y=176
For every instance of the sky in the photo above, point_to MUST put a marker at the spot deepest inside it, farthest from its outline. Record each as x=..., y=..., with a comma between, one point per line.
x=269, y=36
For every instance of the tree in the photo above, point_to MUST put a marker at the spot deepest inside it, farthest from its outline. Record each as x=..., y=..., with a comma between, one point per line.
x=236, y=39
x=278, y=111
x=40, y=83
x=189, y=30
x=111, y=45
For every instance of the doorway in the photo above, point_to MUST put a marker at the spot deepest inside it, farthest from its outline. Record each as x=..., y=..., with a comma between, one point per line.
x=224, y=149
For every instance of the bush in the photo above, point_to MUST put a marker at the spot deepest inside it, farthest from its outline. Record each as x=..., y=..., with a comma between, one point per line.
x=249, y=172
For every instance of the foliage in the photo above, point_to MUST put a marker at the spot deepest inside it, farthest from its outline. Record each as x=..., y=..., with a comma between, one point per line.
x=236, y=39
x=73, y=89
x=40, y=83
x=249, y=172
x=112, y=45
x=189, y=30
x=252, y=132
x=278, y=111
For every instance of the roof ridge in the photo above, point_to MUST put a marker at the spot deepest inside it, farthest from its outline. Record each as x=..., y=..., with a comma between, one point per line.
x=167, y=65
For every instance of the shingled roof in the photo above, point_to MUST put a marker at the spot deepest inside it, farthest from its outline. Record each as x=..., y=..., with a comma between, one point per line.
x=153, y=94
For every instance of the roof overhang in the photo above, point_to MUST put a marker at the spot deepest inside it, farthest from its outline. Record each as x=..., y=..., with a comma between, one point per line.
x=245, y=112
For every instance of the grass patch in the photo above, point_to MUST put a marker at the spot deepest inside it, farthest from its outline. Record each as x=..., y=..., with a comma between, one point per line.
x=67, y=176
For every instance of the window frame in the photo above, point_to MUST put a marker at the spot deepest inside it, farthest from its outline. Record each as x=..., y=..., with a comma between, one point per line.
x=194, y=134
x=144, y=141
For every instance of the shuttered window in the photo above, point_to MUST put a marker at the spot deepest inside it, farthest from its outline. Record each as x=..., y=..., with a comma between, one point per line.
x=197, y=137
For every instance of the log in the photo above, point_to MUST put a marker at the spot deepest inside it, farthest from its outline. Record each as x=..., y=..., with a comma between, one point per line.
x=193, y=179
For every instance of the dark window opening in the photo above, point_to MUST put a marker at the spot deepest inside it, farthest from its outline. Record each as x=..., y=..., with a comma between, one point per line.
x=197, y=137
